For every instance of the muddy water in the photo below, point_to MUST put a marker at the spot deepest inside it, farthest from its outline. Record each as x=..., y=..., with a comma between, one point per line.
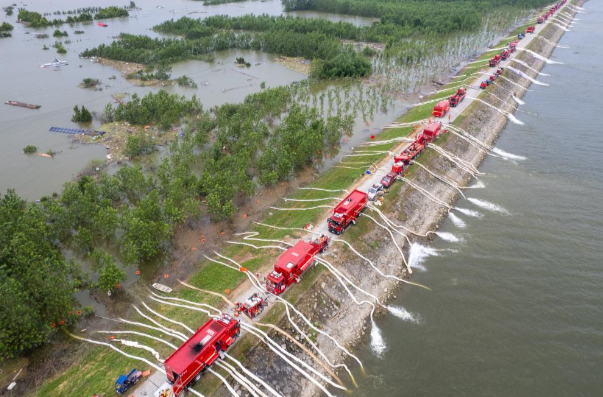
x=57, y=91
x=517, y=311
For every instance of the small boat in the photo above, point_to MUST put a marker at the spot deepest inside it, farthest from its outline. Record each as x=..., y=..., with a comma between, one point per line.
x=162, y=288
x=102, y=25
x=23, y=105
x=54, y=64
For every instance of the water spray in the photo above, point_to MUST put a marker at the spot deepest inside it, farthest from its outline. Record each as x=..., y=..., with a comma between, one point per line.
x=551, y=44
x=525, y=76
x=519, y=61
x=458, y=222
x=468, y=212
x=538, y=56
x=514, y=83
x=488, y=205
x=503, y=112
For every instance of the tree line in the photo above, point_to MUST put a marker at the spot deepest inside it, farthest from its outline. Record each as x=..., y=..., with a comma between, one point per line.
x=430, y=17
x=202, y=38
x=220, y=159
x=37, y=20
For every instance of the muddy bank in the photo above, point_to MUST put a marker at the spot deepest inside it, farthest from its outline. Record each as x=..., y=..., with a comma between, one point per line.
x=326, y=303
x=128, y=69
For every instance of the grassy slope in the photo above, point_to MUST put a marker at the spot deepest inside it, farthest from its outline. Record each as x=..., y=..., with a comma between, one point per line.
x=97, y=371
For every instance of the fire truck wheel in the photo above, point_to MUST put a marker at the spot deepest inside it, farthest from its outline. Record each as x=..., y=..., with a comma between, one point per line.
x=197, y=378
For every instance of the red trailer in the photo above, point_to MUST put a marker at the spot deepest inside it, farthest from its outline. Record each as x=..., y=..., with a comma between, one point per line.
x=441, y=109
x=186, y=365
x=290, y=265
x=347, y=211
x=410, y=153
x=458, y=97
x=531, y=29
x=252, y=307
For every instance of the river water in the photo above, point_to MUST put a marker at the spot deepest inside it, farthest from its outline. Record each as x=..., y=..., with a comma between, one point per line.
x=57, y=91
x=518, y=310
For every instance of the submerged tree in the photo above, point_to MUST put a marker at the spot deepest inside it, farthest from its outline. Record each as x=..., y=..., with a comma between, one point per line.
x=81, y=116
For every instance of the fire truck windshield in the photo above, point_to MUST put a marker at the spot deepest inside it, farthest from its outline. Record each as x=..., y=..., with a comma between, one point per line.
x=333, y=221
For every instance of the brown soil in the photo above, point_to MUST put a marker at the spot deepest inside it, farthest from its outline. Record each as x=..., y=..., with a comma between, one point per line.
x=297, y=64
x=116, y=135
x=195, y=239
x=127, y=68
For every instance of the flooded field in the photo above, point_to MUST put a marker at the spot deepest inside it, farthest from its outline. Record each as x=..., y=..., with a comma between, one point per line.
x=57, y=90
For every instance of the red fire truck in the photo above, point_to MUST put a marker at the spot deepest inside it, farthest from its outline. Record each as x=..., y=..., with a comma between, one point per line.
x=347, y=211
x=441, y=109
x=186, y=365
x=293, y=263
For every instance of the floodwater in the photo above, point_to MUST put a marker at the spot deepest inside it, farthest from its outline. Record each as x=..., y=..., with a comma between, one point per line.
x=57, y=91
x=518, y=310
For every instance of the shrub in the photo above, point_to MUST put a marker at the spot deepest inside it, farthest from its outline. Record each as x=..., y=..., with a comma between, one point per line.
x=137, y=145
x=60, y=49
x=6, y=27
x=347, y=63
x=369, y=52
x=186, y=81
x=111, y=12
x=90, y=83
x=81, y=116
x=30, y=149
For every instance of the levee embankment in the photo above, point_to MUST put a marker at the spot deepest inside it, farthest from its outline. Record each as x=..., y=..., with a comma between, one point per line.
x=325, y=302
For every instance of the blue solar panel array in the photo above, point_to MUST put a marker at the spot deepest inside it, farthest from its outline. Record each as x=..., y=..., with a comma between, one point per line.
x=76, y=131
